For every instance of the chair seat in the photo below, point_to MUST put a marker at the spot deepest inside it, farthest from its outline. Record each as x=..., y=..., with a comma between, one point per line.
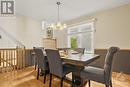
x=93, y=73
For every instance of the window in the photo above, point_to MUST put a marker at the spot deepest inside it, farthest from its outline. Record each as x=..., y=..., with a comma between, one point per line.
x=81, y=36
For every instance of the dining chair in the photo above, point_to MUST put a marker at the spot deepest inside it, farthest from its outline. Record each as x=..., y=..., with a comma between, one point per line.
x=35, y=59
x=42, y=61
x=98, y=74
x=80, y=50
x=63, y=48
x=56, y=65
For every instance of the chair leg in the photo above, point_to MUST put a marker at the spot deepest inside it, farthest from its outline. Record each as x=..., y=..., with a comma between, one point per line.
x=110, y=83
x=38, y=74
x=45, y=76
x=107, y=85
x=61, y=83
x=35, y=66
x=35, y=63
x=50, y=80
x=89, y=84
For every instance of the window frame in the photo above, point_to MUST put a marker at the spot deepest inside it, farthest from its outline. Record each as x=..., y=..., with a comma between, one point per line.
x=78, y=27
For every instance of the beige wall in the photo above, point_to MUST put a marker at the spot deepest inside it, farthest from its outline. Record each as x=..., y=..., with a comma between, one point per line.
x=61, y=36
x=8, y=24
x=24, y=29
x=32, y=33
x=112, y=27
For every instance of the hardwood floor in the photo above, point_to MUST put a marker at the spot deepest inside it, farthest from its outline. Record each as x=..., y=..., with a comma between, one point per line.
x=27, y=78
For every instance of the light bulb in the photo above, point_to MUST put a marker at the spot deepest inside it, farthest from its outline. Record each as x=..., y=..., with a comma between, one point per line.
x=52, y=25
x=58, y=24
x=65, y=26
x=61, y=27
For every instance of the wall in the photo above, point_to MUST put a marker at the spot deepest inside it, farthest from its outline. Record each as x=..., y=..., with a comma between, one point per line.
x=26, y=30
x=61, y=37
x=8, y=24
x=32, y=33
x=112, y=27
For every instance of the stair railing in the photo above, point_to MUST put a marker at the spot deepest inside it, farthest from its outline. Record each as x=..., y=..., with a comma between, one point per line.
x=12, y=56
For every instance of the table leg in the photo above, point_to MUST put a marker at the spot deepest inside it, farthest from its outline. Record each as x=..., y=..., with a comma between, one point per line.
x=76, y=79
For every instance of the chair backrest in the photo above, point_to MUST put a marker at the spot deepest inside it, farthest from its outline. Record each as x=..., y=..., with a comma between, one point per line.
x=42, y=61
x=55, y=62
x=108, y=62
x=80, y=50
x=63, y=49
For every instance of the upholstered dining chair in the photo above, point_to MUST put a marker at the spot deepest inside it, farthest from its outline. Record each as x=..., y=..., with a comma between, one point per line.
x=63, y=48
x=98, y=74
x=42, y=61
x=34, y=57
x=56, y=65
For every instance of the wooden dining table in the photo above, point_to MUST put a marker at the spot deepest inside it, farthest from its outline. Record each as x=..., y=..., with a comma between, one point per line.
x=79, y=61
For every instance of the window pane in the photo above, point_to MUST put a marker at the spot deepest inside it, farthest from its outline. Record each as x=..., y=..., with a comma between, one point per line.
x=74, y=42
x=81, y=36
x=86, y=41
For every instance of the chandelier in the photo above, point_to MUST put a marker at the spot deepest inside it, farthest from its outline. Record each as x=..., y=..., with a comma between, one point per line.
x=59, y=25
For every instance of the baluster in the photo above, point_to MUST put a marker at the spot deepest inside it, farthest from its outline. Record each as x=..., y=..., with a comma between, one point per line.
x=3, y=59
x=0, y=58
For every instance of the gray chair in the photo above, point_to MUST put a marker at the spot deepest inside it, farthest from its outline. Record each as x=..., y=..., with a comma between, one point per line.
x=56, y=65
x=98, y=74
x=34, y=57
x=63, y=48
x=42, y=61
x=80, y=50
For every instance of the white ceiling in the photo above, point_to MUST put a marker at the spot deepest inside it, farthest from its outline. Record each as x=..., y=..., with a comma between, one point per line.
x=70, y=9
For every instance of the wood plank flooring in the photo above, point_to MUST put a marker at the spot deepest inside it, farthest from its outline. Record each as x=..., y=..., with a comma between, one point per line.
x=27, y=78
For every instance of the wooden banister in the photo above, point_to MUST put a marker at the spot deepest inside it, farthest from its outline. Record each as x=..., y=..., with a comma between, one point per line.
x=14, y=57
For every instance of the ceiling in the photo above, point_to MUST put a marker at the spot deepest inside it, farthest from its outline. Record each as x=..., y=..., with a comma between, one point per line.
x=70, y=9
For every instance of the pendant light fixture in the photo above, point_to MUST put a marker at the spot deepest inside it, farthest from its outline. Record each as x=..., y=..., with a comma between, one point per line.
x=59, y=25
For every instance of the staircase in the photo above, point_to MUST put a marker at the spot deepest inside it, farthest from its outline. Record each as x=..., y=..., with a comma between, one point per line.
x=12, y=52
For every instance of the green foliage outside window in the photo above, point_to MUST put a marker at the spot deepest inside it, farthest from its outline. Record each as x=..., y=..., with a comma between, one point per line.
x=74, y=43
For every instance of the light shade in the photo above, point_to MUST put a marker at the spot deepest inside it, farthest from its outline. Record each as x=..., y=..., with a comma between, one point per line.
x=58, y=26
x=43, y=25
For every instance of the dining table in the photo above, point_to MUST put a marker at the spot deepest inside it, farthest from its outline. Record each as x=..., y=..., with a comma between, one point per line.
x=79, y=62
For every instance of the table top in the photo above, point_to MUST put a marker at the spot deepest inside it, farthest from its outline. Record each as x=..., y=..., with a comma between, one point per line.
x=80, y=59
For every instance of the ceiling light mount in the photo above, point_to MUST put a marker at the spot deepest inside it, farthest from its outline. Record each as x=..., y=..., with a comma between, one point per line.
x=58, y=3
